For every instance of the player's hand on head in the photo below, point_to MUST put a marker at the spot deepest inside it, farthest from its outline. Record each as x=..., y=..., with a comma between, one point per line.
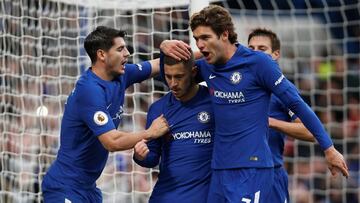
x=158, y=127
x=141, y=150
x=176, y=49
x=336, y=162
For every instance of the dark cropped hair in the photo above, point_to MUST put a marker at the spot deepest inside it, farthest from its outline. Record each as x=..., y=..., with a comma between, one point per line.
x=101, y=38
x=168, y=60
x=217, y=18
x=275, y=42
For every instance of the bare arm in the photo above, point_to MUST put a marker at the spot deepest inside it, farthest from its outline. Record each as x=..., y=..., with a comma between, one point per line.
x=294, y=129
x=155, y=67
x=115, y=140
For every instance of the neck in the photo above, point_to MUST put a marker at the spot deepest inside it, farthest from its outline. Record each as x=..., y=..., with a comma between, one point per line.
x=229, y=51
x=101, y=73
x=192, y=92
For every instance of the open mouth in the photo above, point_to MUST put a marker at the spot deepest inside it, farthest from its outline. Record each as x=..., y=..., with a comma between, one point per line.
x=205, y=54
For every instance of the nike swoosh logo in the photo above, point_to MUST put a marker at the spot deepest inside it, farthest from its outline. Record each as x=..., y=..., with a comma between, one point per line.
x=212, y=76
x=108, y=106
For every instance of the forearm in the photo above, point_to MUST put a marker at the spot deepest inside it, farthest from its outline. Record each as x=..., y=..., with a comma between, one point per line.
x=292, y=129
x=155, y=67
x=115, y=140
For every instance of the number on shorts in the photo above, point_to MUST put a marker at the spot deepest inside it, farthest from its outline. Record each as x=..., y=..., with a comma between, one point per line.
x=256, y=199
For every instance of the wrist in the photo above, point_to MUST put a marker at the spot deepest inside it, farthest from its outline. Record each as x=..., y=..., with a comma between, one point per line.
x=163, y=44
x=329, y=150
x=148, y=134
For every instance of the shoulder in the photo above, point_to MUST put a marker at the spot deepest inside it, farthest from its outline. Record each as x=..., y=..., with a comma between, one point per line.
x=139, y=66
x=201, y=63
x=262, y=64
x=87, y=87
x=144, y=66
x=160, y=103
x=258, y=58
x=252, y=57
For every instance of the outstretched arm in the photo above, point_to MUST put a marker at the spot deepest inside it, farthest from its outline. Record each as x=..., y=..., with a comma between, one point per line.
x=294, y=129
x=334, y=159
x=273, y=79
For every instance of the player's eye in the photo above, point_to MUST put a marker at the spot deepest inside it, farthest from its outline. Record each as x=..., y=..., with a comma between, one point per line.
x=206, y=38
x=178, y=77
x=263, y=49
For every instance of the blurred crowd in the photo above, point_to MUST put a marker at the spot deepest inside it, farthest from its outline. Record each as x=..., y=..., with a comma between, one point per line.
x=42, y=57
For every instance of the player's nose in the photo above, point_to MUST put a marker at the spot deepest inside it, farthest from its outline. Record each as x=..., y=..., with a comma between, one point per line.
x=200, y=44
x=126, y=53
x=173, y=83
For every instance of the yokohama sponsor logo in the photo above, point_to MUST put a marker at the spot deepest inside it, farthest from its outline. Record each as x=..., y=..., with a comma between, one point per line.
x=191, y=134
x=232, y=97
x=228, y=95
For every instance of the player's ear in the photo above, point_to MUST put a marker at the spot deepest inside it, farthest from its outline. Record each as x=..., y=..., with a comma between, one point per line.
x=101, y=55
x=194, y=71
x=276, y=55
x=225, y=35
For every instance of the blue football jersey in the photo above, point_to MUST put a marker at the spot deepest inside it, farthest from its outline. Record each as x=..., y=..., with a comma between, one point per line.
x=185, y=152
x=94, y=107
x=240, y=92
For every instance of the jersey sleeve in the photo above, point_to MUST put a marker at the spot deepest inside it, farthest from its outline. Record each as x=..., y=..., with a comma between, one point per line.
x=292, y=115
x=155, y=146
x=91, y=106
x=294, y=102
x=136, y=73
x=285, y=109
x=270, y=76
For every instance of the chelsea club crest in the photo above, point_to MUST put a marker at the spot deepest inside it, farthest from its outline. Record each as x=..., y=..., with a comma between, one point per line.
x=203, y=117
x=235, y=77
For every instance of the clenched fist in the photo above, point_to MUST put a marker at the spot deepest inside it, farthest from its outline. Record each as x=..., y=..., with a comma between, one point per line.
x=141, y=150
